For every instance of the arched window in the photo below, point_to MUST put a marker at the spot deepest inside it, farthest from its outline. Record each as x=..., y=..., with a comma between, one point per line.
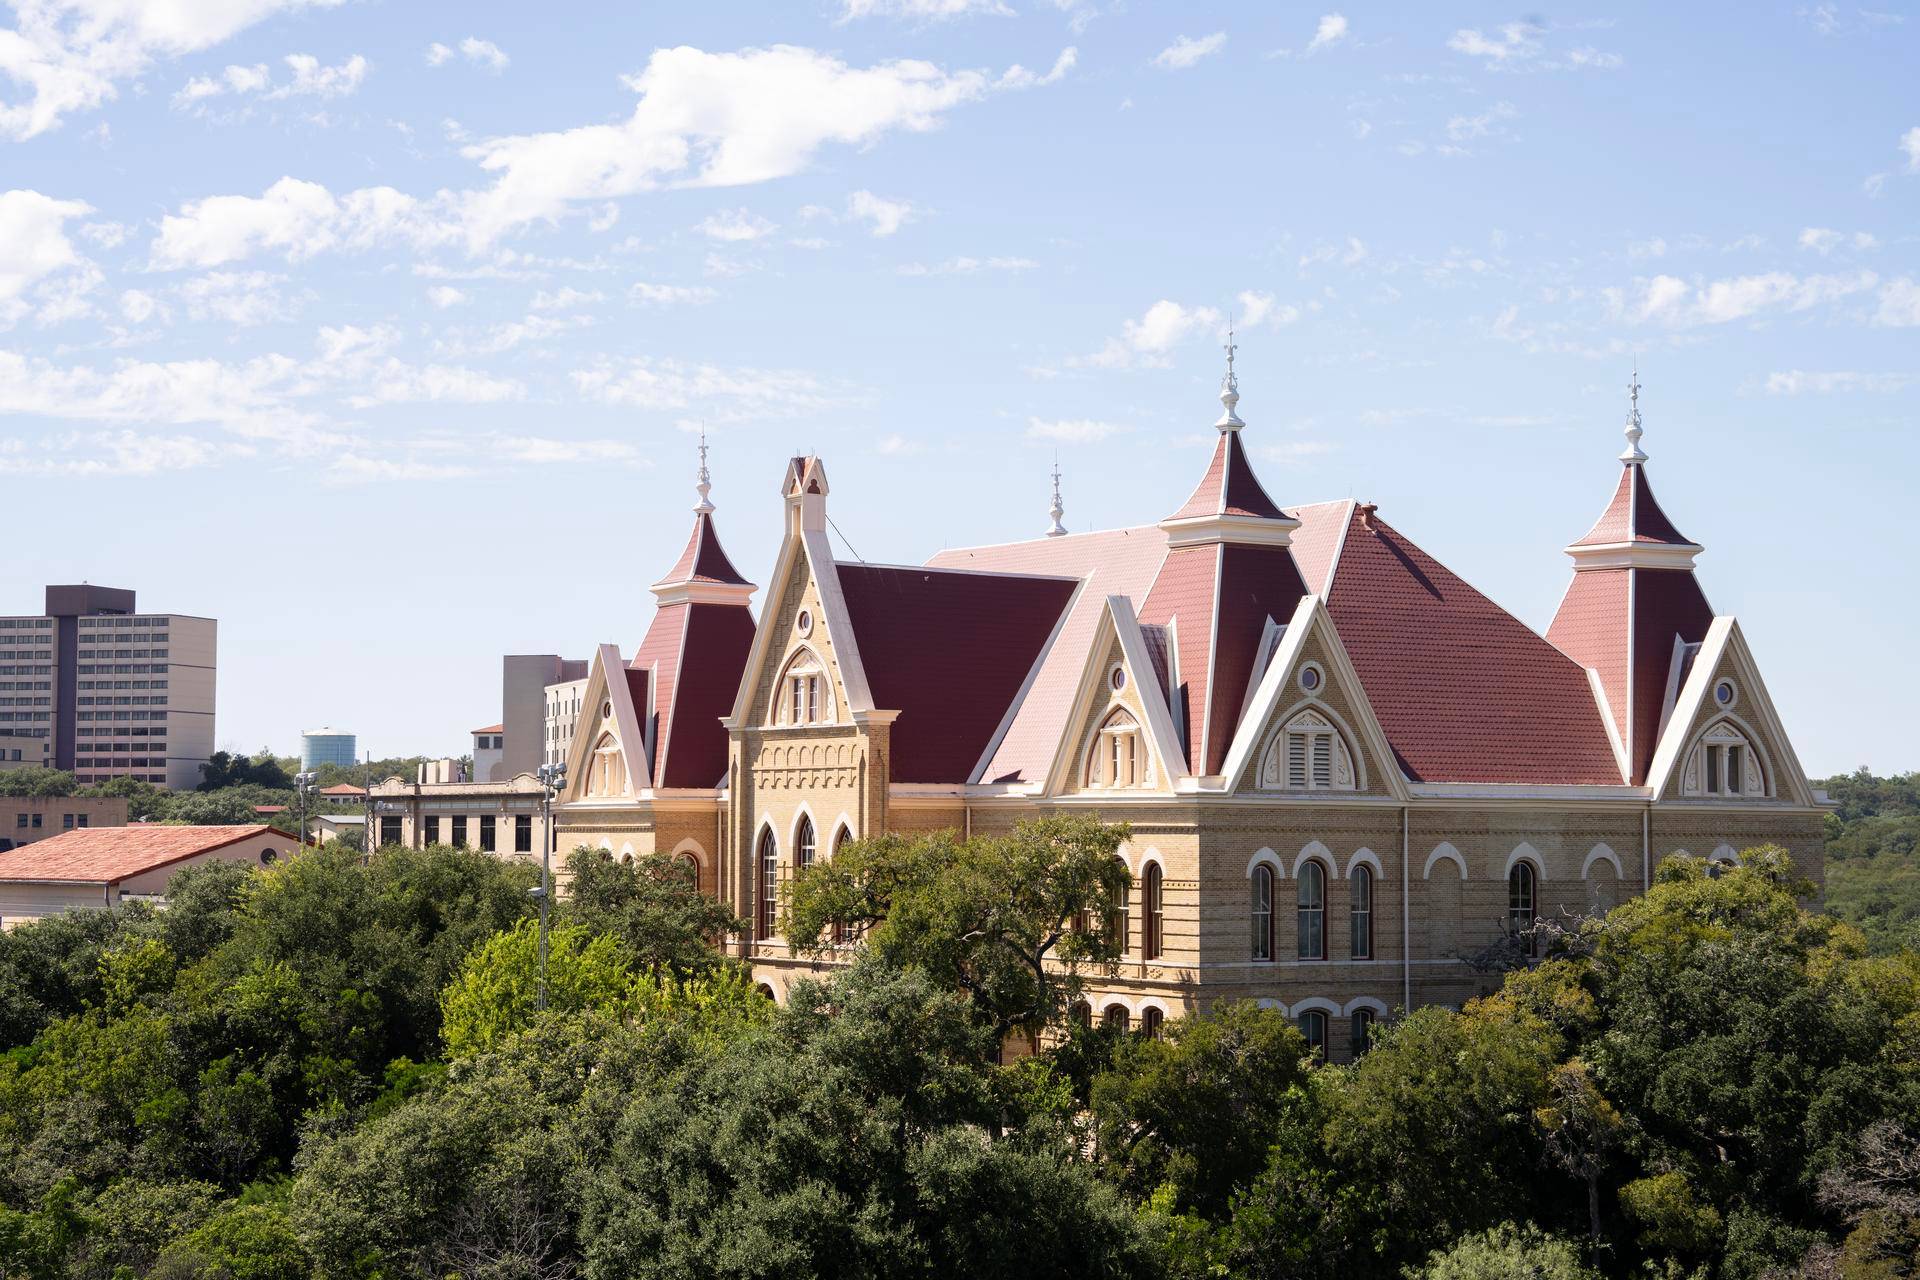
x=1260, y=911
x=1150, y=1020
x=1313, y=1025
x=1115, y=1018
x=1308, y=755
x=1361, y=1034
x=1153, y=918
x=1360, y=913
x=804, y=694
x=1520, y=901
x=605, y=772
x=1723, y=764
x=1312, y=912
x=688, y=866
x=803, y=845
x=1081, y=1014
x=769, y=884
x=1117, y=757
x=842, y=933
x=1121, y=922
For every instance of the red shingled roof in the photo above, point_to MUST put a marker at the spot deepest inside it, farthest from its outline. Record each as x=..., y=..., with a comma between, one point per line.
x=1464, y=691
x=343, y=789
x=1591, y=628
x=949, y=651
x=703, y=559
x=1229, y=487
x=1633, y=515
x=1666, y=603
x=108, y=855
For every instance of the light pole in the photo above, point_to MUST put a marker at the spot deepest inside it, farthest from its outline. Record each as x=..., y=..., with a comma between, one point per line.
x=552, y=778
x=303, y=788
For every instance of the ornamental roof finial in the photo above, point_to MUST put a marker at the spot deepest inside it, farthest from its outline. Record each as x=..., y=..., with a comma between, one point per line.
x=1056, y=529
x=1633, y=455
x=704, y=507
x=1230, y=389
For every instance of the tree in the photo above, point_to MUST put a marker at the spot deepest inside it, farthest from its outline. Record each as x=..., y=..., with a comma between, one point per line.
x=1505, y=1252
x=653, y=906
x=36, y=782
x=987, y=916
x=495, y=993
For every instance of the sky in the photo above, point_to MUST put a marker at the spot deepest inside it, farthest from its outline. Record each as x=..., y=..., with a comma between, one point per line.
x=383, y=332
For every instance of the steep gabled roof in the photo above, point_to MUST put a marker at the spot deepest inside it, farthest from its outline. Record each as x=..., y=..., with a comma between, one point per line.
x=1229, y=486
x=1633, y=516
x=712, y=659
x=1465, y=691
x=949, y=651
x=703, y=559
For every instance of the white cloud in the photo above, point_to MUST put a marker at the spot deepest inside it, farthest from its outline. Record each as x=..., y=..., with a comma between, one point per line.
x=242, y=298
x=883, y=216
x=923, y=10
x=1489, y=123
x=965, y=266
x=724, y=395
x=297, y=219
x=138, y=306
x=735, y=225
x=1899, y=305
x=1258, y=308
x=1910, y=143
x=1514, y=42
x=566, y=298
x=396, y=382
x=1795, y=382
x=1824, y=240
x=445, y=295
x=668, y=295
x=117, y=453
x=1186, y=51
x=898, y=446
x=72, y=55
x=1350, y=254
x=1018, y=77
x=1073, y=430
x=1671, y=301
x=33, y=241
x=481, y=53
x=1147, y=341
x=310, y=79
x=539, y=449
x=1332, y=30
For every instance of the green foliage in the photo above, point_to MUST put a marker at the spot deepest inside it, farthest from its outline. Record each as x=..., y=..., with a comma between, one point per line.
x=984, y=916
x=1873, y=857
x=653, y=906
x=224, y=769
x=246, y=1242
x=37, y=782
x=1505, y=1252
x=496, y=991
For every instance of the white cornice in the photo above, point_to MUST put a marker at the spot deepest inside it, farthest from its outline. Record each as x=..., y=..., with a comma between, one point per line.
x=666, y=593
x=1634, y=555
x=1253, y=530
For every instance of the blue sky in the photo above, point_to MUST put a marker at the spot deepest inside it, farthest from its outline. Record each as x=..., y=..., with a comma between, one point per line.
x=380, y=331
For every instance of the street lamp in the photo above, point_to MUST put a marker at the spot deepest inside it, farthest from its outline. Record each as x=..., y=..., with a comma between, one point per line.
x=303, y=784
x=553, y=777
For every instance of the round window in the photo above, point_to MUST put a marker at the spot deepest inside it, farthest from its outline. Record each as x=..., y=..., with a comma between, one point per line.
x=606, y=710
x=1310, y=678
x=1724, y=693
x=804, y=623
x=1118, y=678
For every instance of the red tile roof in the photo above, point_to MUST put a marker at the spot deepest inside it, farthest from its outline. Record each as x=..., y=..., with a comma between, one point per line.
x=1181, y=599
x=703, y=559
x=1464, y=691
x=1591, y=628
x=1633, y=515
x=719, y=640
x=343, y=789
x=949, y=651
x=1666, y=603
x=108, y=855
x=1229, y=487
x=492, y=728
x=1256, y=583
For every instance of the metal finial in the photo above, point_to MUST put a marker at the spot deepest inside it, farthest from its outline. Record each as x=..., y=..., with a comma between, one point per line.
x=1056, y=529
x=1230, y=388
x=706, y=481
x=1633, y=454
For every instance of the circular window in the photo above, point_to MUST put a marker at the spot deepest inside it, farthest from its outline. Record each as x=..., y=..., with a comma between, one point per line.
x=1725, y=693
x=606, y=710
x=1310, y=677
x=1118, y=678
x=804, y=623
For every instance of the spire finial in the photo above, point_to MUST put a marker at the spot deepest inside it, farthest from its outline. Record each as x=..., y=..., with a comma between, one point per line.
x=1633, y=455
x=1056, y=529
x=705, y=486
x=1230, y=388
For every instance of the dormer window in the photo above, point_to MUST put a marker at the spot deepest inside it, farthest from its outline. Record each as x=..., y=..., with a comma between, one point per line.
x=1309, y=755
x=1118, y=757
x=805, y=695
x=1723, y=765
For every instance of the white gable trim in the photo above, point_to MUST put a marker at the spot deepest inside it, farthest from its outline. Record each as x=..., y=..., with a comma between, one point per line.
x=1613, y=729
x=1119, y=622
x=763, y=631
x=833, y=611
x=1726, y=645
x=633, y=738
x=1443, y=852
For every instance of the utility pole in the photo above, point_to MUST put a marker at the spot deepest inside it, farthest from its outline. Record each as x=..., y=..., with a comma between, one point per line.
x=553, y=777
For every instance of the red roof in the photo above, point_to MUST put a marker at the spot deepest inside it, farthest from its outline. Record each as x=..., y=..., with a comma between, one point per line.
x=1591, y=628
x=492, y=728
x=1633, y=515
x=108, y=855
x=1465, y=691
x=269, y=808
x=703, y=559
x=1181, y=599
x=1667, y=603
x=343, y=789
x=949, y=651
x=1229, y=487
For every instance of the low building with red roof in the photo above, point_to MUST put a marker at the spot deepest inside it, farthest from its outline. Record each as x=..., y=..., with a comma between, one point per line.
x=103, y=866
x=1346, y=769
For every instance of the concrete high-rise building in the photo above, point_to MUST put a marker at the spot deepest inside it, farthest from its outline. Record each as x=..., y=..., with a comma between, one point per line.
x=524, y=678
x=327, y=746
x=563, y=713
x=114, y=693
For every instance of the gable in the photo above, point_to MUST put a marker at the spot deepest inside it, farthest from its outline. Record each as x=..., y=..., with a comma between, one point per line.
x=794, y=627
x=608, y=759
x=1120, y=693
x=1723, y=701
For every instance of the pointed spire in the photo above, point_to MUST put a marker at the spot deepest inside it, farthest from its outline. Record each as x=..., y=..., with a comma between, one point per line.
x=704, y=506
x=1230, y=389
x=1633, y=455
x=1056, y=529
